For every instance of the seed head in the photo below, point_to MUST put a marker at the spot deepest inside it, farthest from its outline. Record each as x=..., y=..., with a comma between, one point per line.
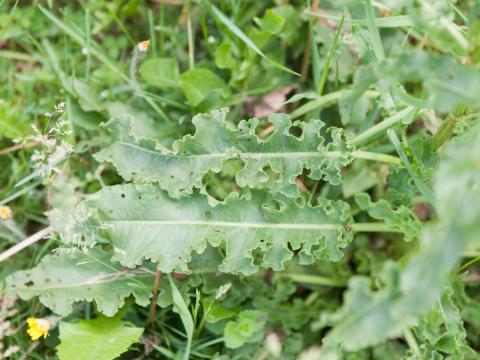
x=143, y=46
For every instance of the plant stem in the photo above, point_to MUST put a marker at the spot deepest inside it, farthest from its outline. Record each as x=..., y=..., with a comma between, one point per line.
x=314, y=279
x=25, y=243
x=374, y=34
x=381, y=127
x=373, y=227
x=325, y=100
x=410, y=339
x=367, y=155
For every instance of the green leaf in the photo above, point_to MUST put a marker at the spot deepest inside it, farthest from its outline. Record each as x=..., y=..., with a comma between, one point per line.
x=248, y=328
x=180, y=170
x=88, y=97
x=272, y=22
x=197, y=83
x=215, y=311
x=161, y=72
x=401, y=219
x=182, y=309
x=442, y=329
x=241, y=35
x=367, y=317
x=224, y=58
x=143, y=222
x=100, y=339
x=62, y=279
x=12, y=122
x=447, y=82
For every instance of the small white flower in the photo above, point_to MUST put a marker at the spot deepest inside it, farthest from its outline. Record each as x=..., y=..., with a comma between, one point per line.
x=211, y=39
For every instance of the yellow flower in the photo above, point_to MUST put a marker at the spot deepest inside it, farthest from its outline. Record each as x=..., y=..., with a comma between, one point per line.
x=37, y=328
x=143, y=46
x=5, y=213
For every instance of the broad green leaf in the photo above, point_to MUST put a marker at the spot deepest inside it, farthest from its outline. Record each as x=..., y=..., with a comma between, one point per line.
x=180, y=170
x=99, y=339
x=143, y=222
x=12, y=123
x=60, y=280
x=224, y=58
x=370, y=317
x=215, y=311
x=88, y=98
x=272, y=22
x=248, y=328
x=161, y=72
x=197, y=83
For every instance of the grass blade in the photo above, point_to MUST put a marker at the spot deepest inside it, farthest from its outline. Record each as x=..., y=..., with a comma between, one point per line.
x=326, y=68
x=241, y=35
x=374, y=34
x=424, y=189
x=184, y=315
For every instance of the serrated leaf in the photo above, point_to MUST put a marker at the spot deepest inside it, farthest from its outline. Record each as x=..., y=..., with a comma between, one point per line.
x=180, y=170
x=247, y=328
x=61, y=280
x=99, y=339
x=442, y=329
x=367, y=317
x=401, y=219
x=143, y=222
x=447, y=83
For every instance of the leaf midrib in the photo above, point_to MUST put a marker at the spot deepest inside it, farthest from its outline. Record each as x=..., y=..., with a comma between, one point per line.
x=328, y=154
x=301, y=226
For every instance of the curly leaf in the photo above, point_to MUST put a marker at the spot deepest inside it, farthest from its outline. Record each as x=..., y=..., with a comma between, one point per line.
x=367, y=317
x=401, y=219
x=143, y=222
x=180, y=170
x=61, y=280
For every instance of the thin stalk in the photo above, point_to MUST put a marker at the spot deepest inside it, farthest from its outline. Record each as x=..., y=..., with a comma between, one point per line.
x=151, y=29
x=467, y=264
x=366, y=155
x=191, y=44
x=374, y=33
x=314, y=279
x=87, y=42
x=324, y=101
x=372, y=227
x=410, y=339
x=25, y=243
x=326, y=68
x=383, y=22
x=19, y=193
x=381, y=127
